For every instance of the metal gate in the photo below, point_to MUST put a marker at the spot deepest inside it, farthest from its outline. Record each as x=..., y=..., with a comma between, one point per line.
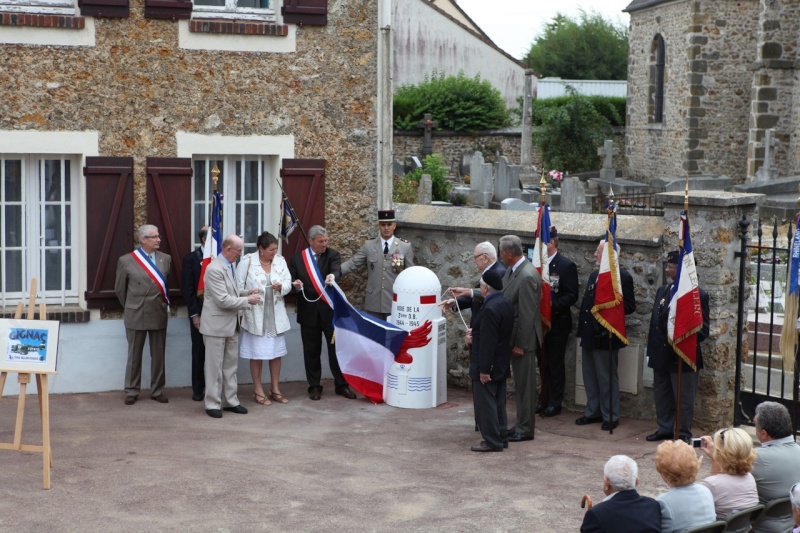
x=760, y=375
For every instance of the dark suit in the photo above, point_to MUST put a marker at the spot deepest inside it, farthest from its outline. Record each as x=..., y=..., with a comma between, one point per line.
x=626, y=512
x=600, y=370
x=194, y=304
x=474, y=302
x=664, y=362
x=491, y=354
x=316, y=318
x=145, y=315
x=563, y=295
x=523, y=288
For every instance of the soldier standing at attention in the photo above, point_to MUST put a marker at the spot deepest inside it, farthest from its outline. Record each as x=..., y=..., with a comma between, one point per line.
x=384, y=258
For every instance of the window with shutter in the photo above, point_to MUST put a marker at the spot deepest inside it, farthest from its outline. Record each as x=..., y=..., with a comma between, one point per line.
x=169, y=185
x=263, y=10
x=304, y=184
x=109, y=225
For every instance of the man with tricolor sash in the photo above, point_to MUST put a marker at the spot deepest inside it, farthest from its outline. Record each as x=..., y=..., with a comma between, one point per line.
x=141, y=286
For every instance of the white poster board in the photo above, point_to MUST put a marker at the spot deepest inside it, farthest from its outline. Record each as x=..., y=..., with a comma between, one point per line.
x=28, y=345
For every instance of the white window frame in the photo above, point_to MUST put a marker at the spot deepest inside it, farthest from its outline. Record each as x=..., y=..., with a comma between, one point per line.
x=231, y=11
x=35, y=243
x=50, y=7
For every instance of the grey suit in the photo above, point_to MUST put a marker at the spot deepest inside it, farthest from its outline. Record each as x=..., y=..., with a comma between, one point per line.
x=145, y=315
x=523, y=287
x=776, y=469
x=382, y=271
x=684, y=507
x=220, y=328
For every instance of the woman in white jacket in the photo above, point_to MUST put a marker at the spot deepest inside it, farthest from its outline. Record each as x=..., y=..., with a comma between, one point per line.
x=264, y=324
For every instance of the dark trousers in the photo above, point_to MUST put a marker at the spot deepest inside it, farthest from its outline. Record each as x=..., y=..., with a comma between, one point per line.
x=198, y=360
x=665, y=390
x=312, y=350
x=490, y=411
x=552, y=367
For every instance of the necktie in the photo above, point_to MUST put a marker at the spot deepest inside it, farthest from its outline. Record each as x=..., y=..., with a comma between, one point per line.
x=233, y=273
x=316, y=258
x=153, y=257
x=385, y=248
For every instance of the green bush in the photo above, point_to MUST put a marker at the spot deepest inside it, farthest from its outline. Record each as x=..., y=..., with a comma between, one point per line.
x=611, y=107
x=434, y=165
x=568, y=135
x=404, y=190
x=456, y=103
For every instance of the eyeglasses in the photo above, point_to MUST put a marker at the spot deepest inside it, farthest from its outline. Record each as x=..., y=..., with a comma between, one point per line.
x=152, y=236
x=722, y=435
x=477, y=256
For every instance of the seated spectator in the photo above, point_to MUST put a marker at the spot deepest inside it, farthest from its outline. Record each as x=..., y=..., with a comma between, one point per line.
x=777, y=465
x=794, y=497
x=623, y=510
x=686, y=504
x=730, y=481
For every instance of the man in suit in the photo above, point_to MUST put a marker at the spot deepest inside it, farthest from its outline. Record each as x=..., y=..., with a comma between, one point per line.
x=623, y=510
x=777, y=465
x=384, y=258
x=194, y=304
x=664, y=362
x=310, y=269
x=220, y=328
x=141, y=286
x=490, y=362
x=522, y=286
x=563, y=276
x=600, y=368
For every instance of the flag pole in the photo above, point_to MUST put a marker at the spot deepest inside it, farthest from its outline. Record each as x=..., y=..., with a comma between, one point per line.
x=611, y=370
x=300, y=224
x=677, y=429
x=543, y=366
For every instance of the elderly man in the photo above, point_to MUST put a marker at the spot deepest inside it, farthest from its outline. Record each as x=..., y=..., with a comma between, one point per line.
x=522, y=285
x=490, y=362
x=189, y=281
x=141, y=286
x=600, y=365
x=384, y=258
x=664, y=362
x=220, y=328
x=311, y=269
x=623, y=510
x=563, y=275
x=777, y=465
x=485, y=258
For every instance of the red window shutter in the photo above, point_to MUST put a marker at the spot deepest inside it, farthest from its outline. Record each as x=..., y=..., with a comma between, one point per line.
x=304, y=183
x=168, y=9
x=119, y=9
x=311, y=12
x=169, y=203
x=109, y=225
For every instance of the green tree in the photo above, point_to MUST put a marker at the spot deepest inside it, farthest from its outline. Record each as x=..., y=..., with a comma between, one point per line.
x=436, y=166
x=591, y=48
x=569, y=135
x=457, y=103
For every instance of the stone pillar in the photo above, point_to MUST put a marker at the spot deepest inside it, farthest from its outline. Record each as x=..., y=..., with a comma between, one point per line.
x=714, y=220
x=526, y=155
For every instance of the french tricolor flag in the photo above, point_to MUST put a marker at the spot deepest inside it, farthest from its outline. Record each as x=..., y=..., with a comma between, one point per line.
x=685, y=311
x=540, y=263
x=608, y=307
x=213, y=245
x=365, y=346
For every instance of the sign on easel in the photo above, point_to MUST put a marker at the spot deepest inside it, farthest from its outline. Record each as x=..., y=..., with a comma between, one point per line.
x=28, y=345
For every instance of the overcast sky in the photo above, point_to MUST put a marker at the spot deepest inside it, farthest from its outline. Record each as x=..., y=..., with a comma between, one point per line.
x=513, y=24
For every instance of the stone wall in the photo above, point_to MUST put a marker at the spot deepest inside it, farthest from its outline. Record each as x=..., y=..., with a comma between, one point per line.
x=138, y=87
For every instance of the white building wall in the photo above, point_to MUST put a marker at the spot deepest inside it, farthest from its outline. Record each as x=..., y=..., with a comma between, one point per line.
x=426, y=39
x=553, y=87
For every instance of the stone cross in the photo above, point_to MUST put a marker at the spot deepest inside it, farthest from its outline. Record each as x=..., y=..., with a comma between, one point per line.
x=608, y=152
x=768, y=171
x=428, y=125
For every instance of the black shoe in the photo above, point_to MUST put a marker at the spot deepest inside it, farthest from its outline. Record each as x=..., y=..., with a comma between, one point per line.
x=214, y=413
x=538, y=408
x=585, y=420
x=516, y=437
x=130, y=400
x=607, y=425
x=657, y=436
x=687, y=440
x=346, y=392
x=552, y=411
x=483, y=447
x=315, y=394
x=197, y=397
x=239, y=410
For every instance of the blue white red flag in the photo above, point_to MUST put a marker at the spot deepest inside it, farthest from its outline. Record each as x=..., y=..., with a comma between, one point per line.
x=365, y=346
x=288, y=220
x=685, y=311
x=540, y=262
x=213, y=245
x=608, y=307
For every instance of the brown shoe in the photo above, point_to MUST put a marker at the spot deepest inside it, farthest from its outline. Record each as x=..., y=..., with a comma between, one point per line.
x=160, y=398
x=347, y=393
x=130, y=400
x=315, y=394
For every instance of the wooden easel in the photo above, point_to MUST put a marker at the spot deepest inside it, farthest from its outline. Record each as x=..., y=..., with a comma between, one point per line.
x=44, y=400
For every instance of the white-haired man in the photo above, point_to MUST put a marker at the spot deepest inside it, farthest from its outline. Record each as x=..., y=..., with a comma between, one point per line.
x=485, y=258
x=623, y=510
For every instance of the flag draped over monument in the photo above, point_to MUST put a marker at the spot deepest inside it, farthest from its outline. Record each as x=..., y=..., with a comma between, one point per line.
x=540, y=262
x=213, y=244
x=608, y=306
x=685, y=313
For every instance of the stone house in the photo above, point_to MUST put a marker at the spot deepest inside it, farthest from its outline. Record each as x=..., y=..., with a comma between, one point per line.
x=113, y=113
x=706, y=80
